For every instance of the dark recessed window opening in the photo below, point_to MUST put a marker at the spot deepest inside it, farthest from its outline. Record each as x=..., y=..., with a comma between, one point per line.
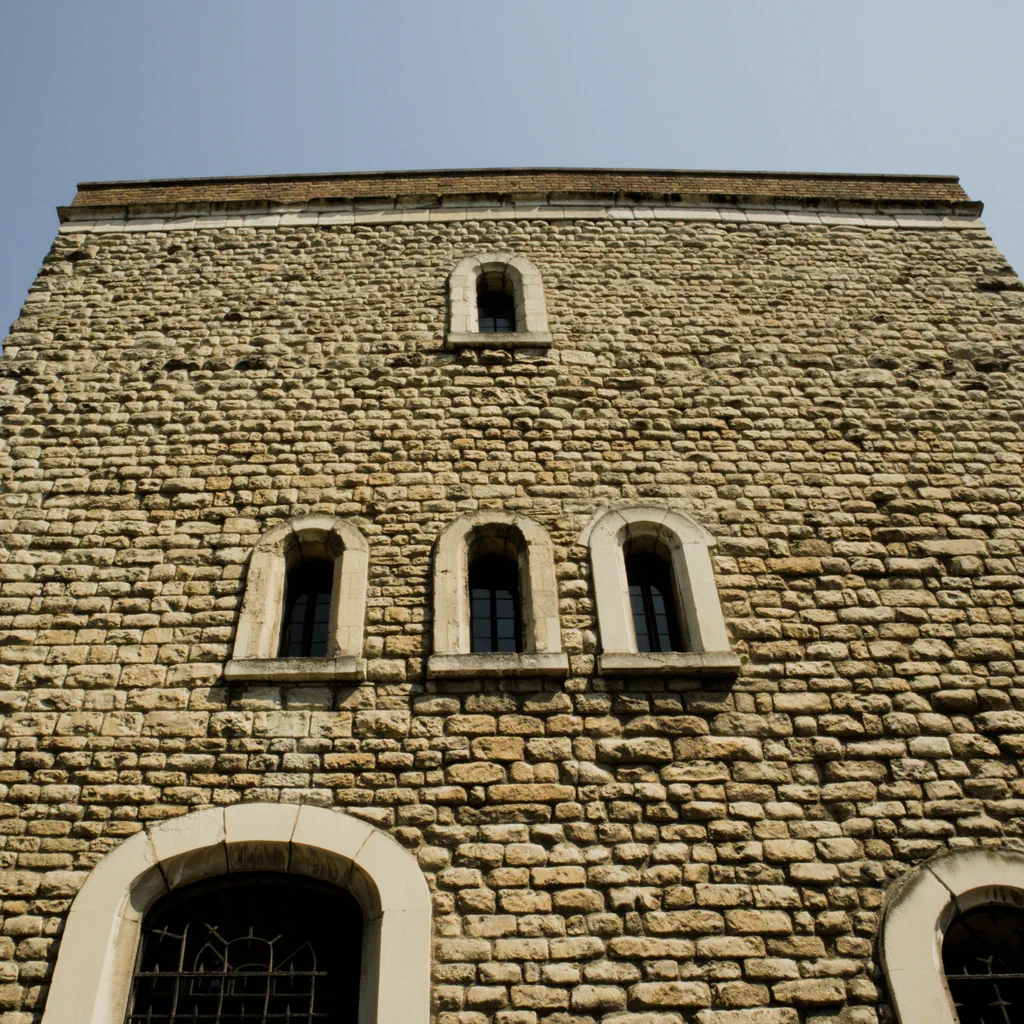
x=495, y=618
x=497, y=313
x=307, y=610
x=983, y=957
x=256, y=948
x=653, y=603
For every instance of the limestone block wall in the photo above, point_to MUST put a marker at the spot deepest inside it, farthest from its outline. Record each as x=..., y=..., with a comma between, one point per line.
x=841, y=406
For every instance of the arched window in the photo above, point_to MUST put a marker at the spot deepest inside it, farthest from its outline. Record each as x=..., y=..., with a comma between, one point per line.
x=495, y=616
x=249, y=946
x=653, y=602
x=657, y=604
x=951, y=939
x=324, y=858
x=307, y=608
x=304, y=605
x=983, y=957
x=496, y=293
x=495, y=600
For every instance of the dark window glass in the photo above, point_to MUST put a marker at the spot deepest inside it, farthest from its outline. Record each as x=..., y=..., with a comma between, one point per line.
x=497, y=313
x=252, y=948
x=983, y=957
x=652, y=599
x=494, y=617
x=307, y=611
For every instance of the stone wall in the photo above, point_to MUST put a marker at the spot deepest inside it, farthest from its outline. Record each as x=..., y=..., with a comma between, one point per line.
x=841, y=406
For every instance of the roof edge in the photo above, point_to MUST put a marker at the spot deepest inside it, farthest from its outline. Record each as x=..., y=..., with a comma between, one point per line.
x=951, y=179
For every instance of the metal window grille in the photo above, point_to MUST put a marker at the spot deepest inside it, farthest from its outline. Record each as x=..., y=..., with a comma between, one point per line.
x=251, y=949
x=496, y=313
x=307, y=611
x=652, y=601
x=495, y=618
x=983, y=957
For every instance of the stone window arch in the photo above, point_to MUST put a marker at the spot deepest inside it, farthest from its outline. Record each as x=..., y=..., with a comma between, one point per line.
x=685, y=546
x=499, y=272
x=279, y=553
x=485, y=535
x=97, y=954
x=919, y=913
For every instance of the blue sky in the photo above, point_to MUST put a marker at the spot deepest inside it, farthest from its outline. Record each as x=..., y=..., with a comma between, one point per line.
x=109, y=90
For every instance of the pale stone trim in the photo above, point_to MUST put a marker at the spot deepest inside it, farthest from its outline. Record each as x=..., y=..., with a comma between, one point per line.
x=96, y=958
x=528, y=294
x=921, y=910
x=538, y=594
x=553, y=664
x=198, y=217
x=259, y=625
x=688, y=545
x=670, y=663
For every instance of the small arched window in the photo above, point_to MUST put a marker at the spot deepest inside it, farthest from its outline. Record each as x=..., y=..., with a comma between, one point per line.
x=653, y=602
x=982, y=953
x=496, y=600
x=495, y=615
x=307, y=614
x=658, y=608
x=496, y=293
x=250, y=946
x=304, y=606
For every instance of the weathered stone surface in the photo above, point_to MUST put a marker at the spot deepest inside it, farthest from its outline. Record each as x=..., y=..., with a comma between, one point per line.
x=640, y=850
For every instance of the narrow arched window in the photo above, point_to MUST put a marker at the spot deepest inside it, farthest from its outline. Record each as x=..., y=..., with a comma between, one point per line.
x=653, y=602
x=307, y=610
x=496, y=306
x=495, y=615
x=983, y=957
x=249, y=947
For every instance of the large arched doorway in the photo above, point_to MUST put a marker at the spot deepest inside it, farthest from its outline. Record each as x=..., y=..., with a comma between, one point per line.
x=326, y=861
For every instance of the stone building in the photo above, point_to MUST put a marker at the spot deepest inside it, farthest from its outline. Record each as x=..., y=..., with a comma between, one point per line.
x=514, y=597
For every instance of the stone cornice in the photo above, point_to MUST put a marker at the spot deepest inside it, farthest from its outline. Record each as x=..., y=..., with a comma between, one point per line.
x=212, y=216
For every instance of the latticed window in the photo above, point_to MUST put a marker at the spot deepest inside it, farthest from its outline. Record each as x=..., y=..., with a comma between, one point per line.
x=983, y=957
x=495, y=617
x=496, y=313
x=652, y=601
x=249, y=949
x=307, y=610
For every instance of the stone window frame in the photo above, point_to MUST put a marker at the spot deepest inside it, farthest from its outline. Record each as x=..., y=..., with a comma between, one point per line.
x=528, y=294
x=538, y=594
x=257, y=639
x=689, y=546
x=919, y=911
x=92, y=978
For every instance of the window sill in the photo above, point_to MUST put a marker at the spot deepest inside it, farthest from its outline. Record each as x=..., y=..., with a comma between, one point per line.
x=552, y=665
x=518, y=339
x=296, y=670
x=671, y=663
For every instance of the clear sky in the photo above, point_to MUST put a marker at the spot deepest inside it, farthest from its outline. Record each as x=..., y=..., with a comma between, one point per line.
x=111, y=89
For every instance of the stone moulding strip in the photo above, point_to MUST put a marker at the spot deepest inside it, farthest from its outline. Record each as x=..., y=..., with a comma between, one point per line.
x=96, y=220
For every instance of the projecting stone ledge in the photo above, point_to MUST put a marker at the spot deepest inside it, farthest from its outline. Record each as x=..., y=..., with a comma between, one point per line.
x=295, y=670
x=670, y=663
x=506, y=666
